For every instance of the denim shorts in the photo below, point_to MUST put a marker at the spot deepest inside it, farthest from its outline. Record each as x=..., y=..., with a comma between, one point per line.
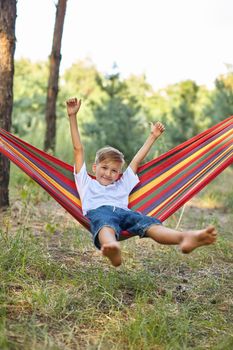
x=119, y=220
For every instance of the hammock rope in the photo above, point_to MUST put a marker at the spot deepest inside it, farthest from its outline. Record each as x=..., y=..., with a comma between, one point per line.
x=166, y=182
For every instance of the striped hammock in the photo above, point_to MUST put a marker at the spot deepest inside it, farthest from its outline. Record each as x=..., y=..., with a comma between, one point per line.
x=166, y=182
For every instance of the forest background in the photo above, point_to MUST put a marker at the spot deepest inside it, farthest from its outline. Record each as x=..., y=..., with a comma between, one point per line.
x=115, y=111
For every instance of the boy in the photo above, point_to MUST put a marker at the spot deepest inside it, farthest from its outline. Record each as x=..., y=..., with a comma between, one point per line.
x=105, y=199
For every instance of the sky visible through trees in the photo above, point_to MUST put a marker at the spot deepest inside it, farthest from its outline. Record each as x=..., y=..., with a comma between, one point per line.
x=168, y=40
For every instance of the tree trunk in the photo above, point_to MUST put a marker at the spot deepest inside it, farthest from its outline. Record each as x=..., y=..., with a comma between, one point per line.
x=52, y=91
x=7, y=50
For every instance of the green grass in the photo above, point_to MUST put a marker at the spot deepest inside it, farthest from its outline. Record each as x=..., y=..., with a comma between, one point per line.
x=57, y=292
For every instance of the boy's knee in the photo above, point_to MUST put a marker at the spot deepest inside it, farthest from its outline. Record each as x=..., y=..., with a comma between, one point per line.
x=108, y=230
x=106, y=233
x=152, y=229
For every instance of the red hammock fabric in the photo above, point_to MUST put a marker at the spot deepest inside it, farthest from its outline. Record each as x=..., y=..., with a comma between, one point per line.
x=166, y=182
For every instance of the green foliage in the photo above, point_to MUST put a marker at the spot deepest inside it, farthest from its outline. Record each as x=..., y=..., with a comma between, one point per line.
x=119, y=121
x=81, y=78
x=115, y=111
x=30, y=84
x=221, y=104
x=183, y=98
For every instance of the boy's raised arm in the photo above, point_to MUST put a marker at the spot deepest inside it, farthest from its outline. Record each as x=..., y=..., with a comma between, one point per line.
x=156, y=130
x=73, y=105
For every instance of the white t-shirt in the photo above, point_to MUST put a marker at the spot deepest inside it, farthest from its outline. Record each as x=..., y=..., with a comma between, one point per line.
x=94, y=195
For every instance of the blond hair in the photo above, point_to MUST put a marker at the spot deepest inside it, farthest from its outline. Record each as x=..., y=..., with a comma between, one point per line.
x=109, y=153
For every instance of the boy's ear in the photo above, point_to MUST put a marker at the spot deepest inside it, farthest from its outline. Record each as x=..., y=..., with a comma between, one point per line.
x=94, y=168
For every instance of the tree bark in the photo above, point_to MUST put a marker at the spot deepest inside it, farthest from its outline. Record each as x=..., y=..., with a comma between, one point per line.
x=7, y=50
x=52, y=91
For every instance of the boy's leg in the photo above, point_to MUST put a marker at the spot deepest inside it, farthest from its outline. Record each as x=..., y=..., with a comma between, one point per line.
x=187, y=240
x=109, y=245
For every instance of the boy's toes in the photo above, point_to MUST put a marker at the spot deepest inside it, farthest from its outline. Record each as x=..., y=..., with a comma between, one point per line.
x=211, y=229
x=112, y=251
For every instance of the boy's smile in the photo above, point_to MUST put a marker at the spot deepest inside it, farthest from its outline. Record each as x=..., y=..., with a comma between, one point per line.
x=107, y=171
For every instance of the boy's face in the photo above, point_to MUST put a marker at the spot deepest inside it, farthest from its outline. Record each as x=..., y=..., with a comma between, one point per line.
x=107, y=171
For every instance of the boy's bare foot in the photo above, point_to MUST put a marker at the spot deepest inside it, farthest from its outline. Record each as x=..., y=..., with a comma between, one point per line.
x=113, y=252
x=195, y=239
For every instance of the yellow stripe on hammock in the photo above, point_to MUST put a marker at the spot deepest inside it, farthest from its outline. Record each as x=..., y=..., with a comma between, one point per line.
x=163, y=176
